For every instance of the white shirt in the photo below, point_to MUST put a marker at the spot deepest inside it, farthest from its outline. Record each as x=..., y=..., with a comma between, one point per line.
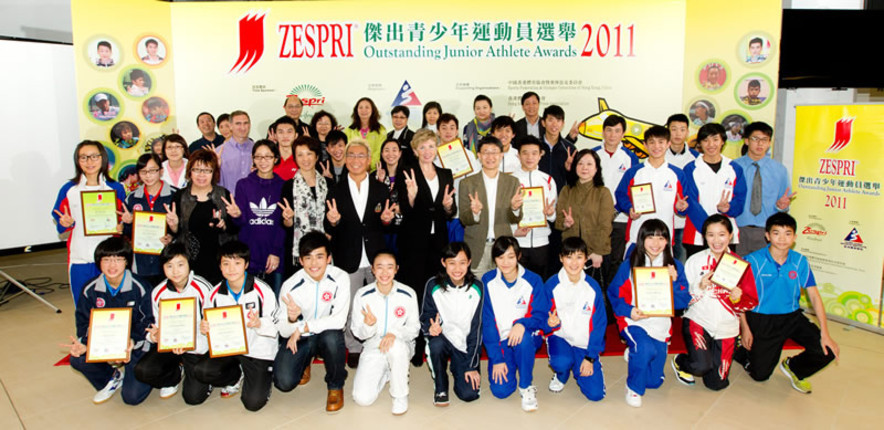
x=491, y=193
x=360, y=199
x=510, y=162
x=680, y=160
x=613, y=168
x=434, y=190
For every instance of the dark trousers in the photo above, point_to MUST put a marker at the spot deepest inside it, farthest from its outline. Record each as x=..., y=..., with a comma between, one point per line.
x=769, y=333
x=612, y=261
x=289, y=367
x=99, y=374
x=163, y=369
x=707, y=357
x=224, y=371
x=536, y=260
x=441, y=351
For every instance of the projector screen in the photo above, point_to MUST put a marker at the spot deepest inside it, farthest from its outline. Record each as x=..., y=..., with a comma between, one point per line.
x=40, y=122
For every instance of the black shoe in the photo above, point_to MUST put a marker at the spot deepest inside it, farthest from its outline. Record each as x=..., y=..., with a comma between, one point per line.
x=417, y=360
x=741, y=356
x=353, y=360
x=441, y=400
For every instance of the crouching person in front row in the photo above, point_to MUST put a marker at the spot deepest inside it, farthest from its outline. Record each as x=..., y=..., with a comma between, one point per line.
x=115, y=287
x=515, y=311
x=163, y=369
x=451, y=319
x=313, y=307
x=385, y=317
x=249, y=373
x=577, y=320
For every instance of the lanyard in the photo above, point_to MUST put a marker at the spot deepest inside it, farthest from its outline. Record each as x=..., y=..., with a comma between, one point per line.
x=152, y=199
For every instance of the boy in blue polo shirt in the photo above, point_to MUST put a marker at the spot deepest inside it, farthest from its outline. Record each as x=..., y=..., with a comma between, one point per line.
x=780, y=275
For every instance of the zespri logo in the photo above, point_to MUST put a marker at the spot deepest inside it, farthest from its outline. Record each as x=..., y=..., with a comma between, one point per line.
x=251, y=42
x=843, y=134
x=310, y=95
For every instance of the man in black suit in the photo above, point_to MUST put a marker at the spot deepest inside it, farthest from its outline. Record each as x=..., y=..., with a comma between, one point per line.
x=359, y=211
x=402, y=134
x=530, y=125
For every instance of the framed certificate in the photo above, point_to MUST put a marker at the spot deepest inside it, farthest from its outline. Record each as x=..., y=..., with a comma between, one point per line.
x=453, y=156
x=227, y=331
x=642, y=196
x=177, y=324
x=147, y=230
x=532, y=208
x=99, y=212
x=652, y=288
x=729, y=271
x=109, y=333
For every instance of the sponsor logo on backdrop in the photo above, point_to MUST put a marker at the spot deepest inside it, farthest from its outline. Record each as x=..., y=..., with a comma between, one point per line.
x=853, y=241
x=843, y=133
x=310, y=95
x=315, y=40
x=814, y=231
x=251, y=42
x=406, y=96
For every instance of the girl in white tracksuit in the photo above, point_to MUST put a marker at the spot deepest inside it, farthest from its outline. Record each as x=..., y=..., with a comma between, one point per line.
x=385, y=318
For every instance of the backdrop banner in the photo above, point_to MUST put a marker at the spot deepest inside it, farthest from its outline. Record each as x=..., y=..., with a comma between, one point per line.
x=837, y=174
x=644, y=59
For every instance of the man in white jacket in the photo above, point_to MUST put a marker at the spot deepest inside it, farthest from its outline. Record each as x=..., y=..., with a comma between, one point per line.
x=311, y=316
x=385, y=318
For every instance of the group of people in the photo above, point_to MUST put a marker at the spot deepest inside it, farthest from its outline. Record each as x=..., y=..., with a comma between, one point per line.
x=358, y=246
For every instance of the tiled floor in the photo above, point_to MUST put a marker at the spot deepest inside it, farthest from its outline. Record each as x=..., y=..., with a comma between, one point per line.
x=36, y=395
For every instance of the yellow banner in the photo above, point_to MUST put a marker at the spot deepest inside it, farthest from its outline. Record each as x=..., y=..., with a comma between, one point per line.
x=645, y=60
x=837, y=174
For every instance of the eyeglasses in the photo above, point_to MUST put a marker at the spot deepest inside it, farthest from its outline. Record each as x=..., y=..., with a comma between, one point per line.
x=114, y=260
x=263, y=157
x=90, y=157
x=357, y=156
x=149, y=171
x=175, y=147
x=756, y=139
x=202, y=171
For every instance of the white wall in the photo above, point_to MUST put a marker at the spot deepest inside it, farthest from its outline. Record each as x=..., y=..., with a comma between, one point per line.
x=48, y=20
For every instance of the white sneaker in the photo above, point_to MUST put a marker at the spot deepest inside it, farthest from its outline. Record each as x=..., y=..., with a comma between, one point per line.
x=111, y=388
x=167, y=392
x=555, y=385
x=529, y=398
x=633, y=399
x=400, y=405
x=232, y=390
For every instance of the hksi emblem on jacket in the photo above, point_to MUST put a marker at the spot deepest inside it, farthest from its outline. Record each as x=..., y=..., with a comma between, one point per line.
x=521, y=303
x=326, y=296
x=399, y=311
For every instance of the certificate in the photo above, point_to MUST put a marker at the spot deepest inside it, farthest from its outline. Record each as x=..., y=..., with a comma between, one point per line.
x=147, y=230
x=109, y=332
x=642, y=198
x=653, y=291
x=227, y=331
x=99, y=212
x=453, y=156
x=729, y=271
x=177, y=324
x=532, y=208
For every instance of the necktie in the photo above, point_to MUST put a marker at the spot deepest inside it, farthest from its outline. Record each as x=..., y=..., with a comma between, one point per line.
x=755, y=202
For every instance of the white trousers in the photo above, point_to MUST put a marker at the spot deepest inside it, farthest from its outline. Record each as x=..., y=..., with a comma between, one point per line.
x=376, y=368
